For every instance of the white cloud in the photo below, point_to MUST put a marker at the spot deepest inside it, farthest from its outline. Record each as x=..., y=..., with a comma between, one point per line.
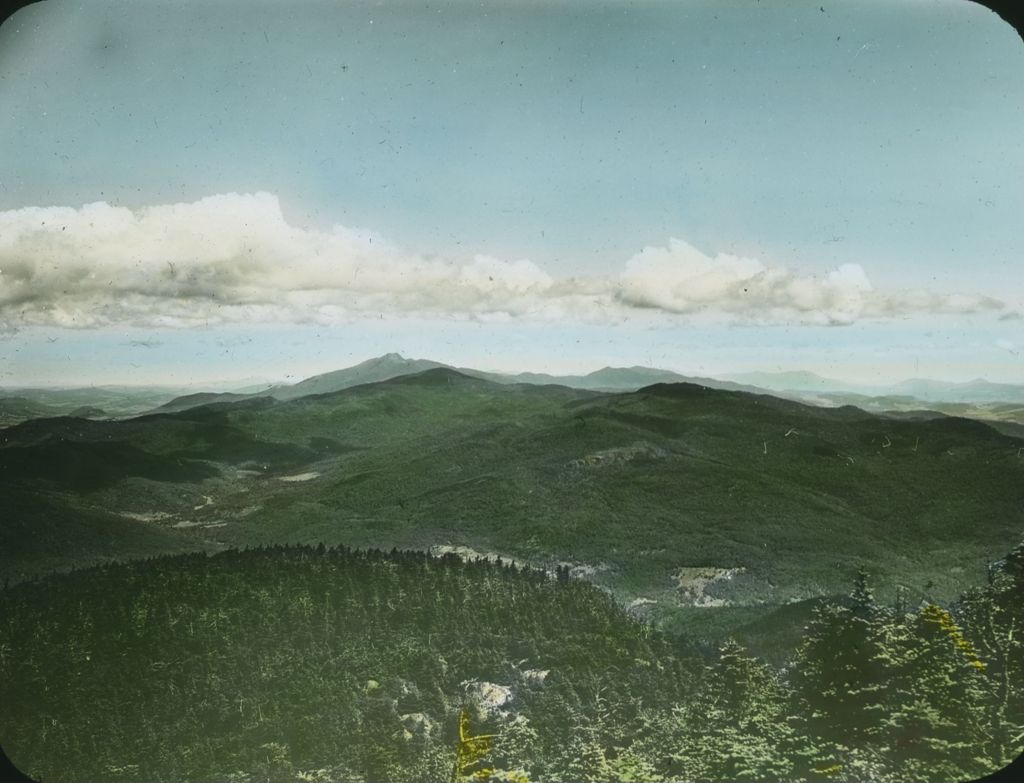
x=234, y=258
x=681, y=279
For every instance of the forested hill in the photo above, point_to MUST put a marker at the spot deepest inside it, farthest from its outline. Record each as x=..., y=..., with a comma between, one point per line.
x=340, y=666
x=191, y=668
x=639, y=491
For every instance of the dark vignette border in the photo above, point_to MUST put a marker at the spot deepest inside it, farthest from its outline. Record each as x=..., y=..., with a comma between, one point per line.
x=1010, y=11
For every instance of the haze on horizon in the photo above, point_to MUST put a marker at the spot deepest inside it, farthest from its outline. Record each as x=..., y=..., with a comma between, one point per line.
x=706, y=187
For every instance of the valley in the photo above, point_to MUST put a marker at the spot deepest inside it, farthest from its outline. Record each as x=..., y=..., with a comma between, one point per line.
x=631, y=489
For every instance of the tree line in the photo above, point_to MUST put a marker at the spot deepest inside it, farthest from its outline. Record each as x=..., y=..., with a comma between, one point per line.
x=291, y=663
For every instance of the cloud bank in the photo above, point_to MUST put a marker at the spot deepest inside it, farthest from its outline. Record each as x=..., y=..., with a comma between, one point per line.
x=234, y=258
x=681, y=279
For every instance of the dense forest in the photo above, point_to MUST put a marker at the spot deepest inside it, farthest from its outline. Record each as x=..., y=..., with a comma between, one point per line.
x=330, y=664
x=631, y=487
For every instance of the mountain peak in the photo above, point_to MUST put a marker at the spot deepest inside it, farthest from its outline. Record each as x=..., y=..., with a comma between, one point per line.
x=389, y=358
x=380, y=368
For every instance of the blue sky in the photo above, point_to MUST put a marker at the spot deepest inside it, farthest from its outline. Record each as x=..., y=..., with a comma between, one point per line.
x=463, y=181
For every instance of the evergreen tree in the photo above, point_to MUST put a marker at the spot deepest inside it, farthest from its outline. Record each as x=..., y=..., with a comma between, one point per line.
x=993, y=619
x=517, y=747
x=628, y=766
x=733, y=728
x=582, y=759
x=739, y=713
x=845, y=663
x=936, y=727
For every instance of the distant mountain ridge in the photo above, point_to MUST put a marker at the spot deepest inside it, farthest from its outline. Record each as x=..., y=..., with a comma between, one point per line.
x=615, y=379
x=630, y=487
x=201, y=398
x=381, y=368
x=978, y=390
x=793, y=380
x=394, y=365
x=978, y=398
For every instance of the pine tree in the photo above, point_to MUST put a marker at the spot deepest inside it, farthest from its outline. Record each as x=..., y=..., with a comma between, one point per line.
x=845, y=663
x=517, y=746
x=628, y=766
x=733, y=727
x=580, y=757
x=745, y=733
x=993, y=619
x=936, y=727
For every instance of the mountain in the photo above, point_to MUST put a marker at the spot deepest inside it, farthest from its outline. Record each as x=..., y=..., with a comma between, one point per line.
x=16, y=409
x=679, y=496
x=199, y=399
x=793, y=380
x=1005, y=417
x=617, y=379
x=605, y=379
x=979, y=397
x=976, y=399
x=126, y=401
x=381, y=368
x=1000, y=404
x=393, y=365
x=920, y=389
x=21, y=404
x=88, y=412
x=623, y=378
x=976, y=391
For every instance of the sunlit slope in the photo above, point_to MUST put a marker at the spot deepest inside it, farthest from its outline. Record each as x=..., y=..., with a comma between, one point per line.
x=784, y=499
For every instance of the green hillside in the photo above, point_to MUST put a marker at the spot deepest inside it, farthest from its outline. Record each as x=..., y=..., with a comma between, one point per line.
x=21, y=404
x=269, y=662
x=14, y=410
x=44, y=533
x=674, y=495
x=338, y=666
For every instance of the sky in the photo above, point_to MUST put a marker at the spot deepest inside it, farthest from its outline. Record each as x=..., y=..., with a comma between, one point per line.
x=196, y=192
